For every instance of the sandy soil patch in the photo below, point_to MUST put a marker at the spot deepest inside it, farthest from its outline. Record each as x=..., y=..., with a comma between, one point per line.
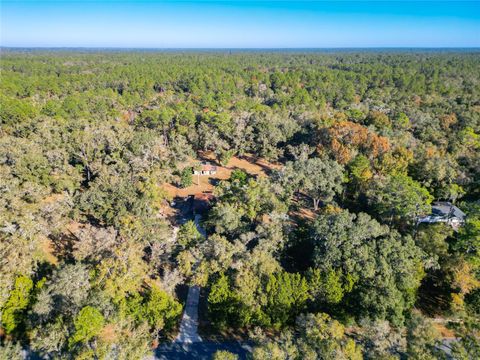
x=48, y=250
x=303, y=213
x=445, y=332
x=207, y=183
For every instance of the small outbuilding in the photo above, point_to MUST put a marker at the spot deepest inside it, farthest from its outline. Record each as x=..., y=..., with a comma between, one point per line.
x=445, y=212
x=205, y=169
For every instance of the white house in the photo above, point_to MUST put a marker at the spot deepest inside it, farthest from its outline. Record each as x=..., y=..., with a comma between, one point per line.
x=205, y=169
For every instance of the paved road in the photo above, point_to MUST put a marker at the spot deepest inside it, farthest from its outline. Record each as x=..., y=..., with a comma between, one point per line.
x=203, y=350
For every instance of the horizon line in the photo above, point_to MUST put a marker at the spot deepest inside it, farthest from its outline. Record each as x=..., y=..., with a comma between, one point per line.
x=238, y=48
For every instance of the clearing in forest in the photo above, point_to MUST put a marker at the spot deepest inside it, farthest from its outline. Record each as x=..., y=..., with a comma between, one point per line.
x=206, y=183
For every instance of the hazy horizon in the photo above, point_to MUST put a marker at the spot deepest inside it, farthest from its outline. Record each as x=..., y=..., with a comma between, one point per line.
x=240, y=49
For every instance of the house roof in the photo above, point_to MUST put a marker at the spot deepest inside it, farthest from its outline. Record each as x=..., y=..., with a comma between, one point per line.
x=206, y=166
x=445, y=209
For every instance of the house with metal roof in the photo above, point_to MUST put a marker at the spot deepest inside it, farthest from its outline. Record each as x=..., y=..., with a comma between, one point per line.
x=445, y=212
x=205, y=169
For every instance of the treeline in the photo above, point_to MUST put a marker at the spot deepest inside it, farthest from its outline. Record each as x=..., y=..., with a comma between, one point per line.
x=366, y=142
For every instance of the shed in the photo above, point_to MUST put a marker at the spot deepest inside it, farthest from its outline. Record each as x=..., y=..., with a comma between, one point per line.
x=205, y=169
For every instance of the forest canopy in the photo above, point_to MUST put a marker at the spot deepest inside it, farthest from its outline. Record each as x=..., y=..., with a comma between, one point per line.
x=322, y=257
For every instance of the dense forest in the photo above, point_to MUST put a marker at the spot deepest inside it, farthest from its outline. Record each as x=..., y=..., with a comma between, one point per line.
x=322, y=258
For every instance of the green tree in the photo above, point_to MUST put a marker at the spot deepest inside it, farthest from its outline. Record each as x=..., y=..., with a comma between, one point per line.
x=186, y=177
x=468, y=346
x=315, y=336
x=15, y=111
x=325, y=337
x=51, y=338
x=224, y=355
x=18, y=301
x=320, y=179
x=378, y=119
x=432, y=239
x=468, y=240
x=360, y=170
x=88, y=324
x=221, y=302
x=65, y=293
x=399, y=197
x=160, y=310
x=423, y=339
x=240, y=176
x=472, y=301
x=226, y=218
x=11, y=351
x=356, y=244
x=329, y=287
x=188, y=234
x=401, y=121
x=286, y=297
x=225, y=156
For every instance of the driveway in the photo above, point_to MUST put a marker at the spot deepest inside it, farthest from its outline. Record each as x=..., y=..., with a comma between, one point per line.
x=189, y=326
x=188, y=344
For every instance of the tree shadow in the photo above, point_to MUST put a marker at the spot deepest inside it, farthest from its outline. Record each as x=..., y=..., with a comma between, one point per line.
x=63, y=246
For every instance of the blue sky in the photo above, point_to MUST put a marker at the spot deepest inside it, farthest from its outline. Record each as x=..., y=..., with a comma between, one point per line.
x=240, y=24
